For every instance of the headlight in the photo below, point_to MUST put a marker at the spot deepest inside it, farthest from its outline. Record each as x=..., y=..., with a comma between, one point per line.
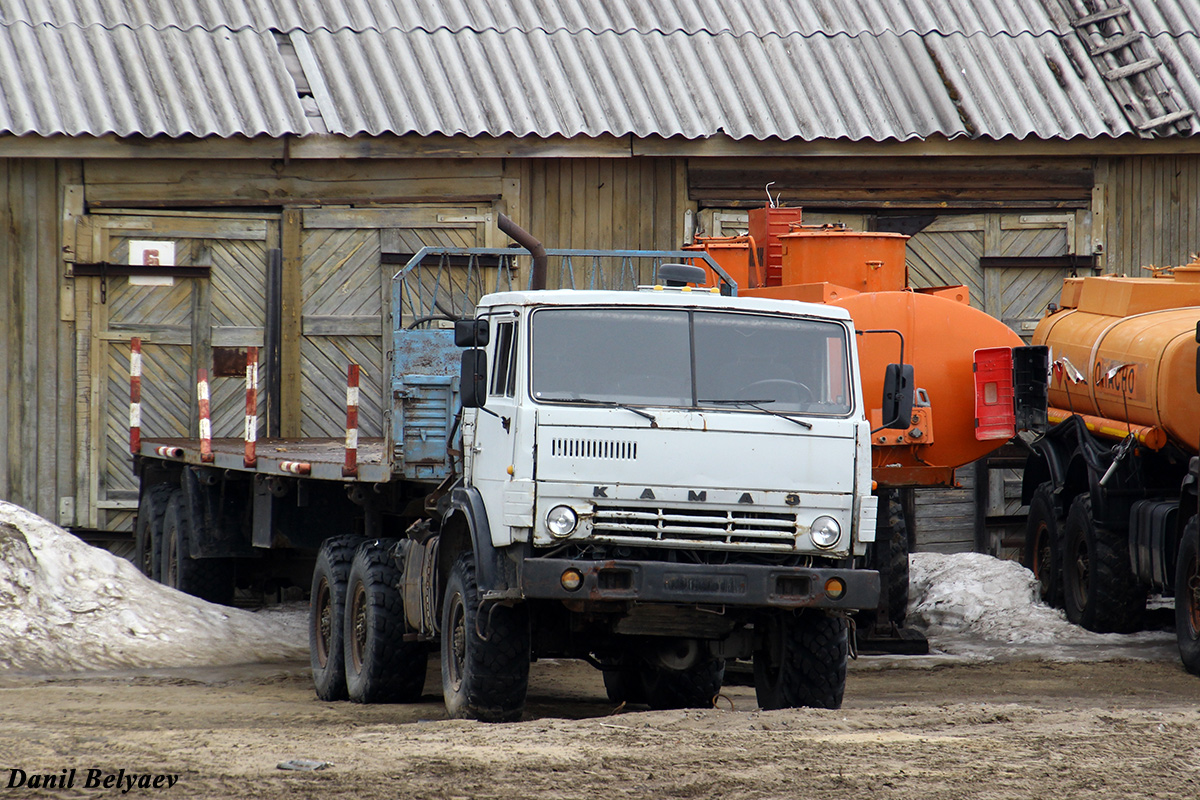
x=826, y=531
x=561, y=521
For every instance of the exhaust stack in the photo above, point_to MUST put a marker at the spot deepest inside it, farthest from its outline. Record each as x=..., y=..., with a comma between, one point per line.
x=535, y=248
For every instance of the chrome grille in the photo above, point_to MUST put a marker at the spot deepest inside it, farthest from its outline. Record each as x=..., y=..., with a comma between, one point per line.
x=688, y=526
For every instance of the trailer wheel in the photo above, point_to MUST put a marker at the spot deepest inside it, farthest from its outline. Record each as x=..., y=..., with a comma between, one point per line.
x=381, y=667
x=485, y=651
x=1187, y=597
x=801, y=661
x=210, y=579
x=148, y=533
x=1043, y=545
x=694, y=686
x=326, y=612
x=1100, y=592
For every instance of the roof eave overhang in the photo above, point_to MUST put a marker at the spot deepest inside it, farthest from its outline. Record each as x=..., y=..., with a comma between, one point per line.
x=330, y=146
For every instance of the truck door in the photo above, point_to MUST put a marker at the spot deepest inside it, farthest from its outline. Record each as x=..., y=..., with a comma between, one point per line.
x=495, y=428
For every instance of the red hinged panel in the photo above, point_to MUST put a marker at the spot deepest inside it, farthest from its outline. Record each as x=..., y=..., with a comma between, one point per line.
x=995, y=417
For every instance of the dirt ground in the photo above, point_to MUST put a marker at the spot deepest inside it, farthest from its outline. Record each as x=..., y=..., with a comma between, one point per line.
x=1021, y=729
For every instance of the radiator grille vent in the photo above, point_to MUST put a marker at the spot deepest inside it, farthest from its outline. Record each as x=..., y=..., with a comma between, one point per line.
x=593, y=448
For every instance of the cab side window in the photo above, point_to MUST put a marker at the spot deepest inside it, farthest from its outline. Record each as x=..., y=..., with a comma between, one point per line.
x=504, y=361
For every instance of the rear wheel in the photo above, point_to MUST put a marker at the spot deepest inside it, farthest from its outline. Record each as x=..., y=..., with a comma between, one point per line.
x=684, y=675
x=210, y=579
x=381, y=667
x=148, y=533
x=485, y=653
x=890, y=557
x=1187, y=597
x=327, y=608
x=1099, y=590
x=801, y=661
x=1043, y=548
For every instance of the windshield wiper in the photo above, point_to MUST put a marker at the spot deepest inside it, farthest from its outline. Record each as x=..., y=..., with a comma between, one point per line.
x=603, y=404
x=757, y=404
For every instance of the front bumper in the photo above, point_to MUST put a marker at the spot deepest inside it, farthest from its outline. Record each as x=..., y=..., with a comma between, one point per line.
x=751, y=585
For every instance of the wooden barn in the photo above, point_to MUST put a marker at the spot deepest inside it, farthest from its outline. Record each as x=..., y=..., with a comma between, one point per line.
x=205, y=176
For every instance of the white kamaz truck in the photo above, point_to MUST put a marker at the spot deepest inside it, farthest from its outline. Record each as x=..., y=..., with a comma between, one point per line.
x=655, y=481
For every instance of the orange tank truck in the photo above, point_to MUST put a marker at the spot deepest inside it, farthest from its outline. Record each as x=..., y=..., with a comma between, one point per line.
x=1111, y=485
x=866, y=273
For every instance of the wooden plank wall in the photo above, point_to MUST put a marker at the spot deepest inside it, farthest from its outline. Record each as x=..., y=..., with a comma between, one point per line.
x=946, y=517
x=36, y=345
x=1152, y=211
x=605, y=203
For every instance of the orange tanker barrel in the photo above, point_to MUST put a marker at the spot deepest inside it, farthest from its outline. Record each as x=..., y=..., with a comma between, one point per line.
x=940, y=340
x=865, y=262
x=1127, y=353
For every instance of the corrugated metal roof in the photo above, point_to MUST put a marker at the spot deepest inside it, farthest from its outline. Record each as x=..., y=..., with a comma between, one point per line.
x=129, y=81
x=757, y=69
x=738, y=17
x=786, y=87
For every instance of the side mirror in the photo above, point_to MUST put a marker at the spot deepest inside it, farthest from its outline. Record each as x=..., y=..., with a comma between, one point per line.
x=473, y=378
x=898, y=396
x=470, y=333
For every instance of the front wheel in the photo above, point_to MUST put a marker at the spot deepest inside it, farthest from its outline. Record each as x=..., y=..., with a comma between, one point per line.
x=801, y=661
x=1187, y=597
x=485, y=652
x=381, y=667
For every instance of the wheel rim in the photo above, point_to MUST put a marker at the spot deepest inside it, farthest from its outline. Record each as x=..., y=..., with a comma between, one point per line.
x=1081, y=564
x=458, y=641
x=171, y=578
x=1042, y=557
x=358, y=613
x=1191, y=596
x=324, y=622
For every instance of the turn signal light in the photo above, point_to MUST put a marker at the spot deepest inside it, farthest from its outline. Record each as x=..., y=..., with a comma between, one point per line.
x=571, y=579
x=835, y=588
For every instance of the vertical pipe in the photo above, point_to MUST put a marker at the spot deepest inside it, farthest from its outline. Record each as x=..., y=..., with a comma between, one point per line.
x=135, y=395
x=272, y=336
x=350, y=468
x=206, y=453
x=251, y=435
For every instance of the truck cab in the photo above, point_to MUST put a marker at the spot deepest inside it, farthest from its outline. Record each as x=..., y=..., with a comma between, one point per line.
x=658, y=481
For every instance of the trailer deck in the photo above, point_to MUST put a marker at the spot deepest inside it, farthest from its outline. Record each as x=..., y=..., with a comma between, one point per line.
x=322, y=459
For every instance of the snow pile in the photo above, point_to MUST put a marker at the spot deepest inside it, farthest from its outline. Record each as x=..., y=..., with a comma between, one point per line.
x=65, y=606
x=978, y=605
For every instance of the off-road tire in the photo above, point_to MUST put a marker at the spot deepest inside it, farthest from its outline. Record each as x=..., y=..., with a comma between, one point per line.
x=1187, y=597
x=1043, y=544
x=326, y=616
x=801, y=661
x=1100, y=592
x=694, y=687
x=210, y=579
x=148, y=532
x=485, y=653
x=623, y=681
x=381, y=667
x=891, y=559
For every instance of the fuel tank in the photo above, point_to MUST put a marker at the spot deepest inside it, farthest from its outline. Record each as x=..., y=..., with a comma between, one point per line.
x=941, y=334
x=1124, y=349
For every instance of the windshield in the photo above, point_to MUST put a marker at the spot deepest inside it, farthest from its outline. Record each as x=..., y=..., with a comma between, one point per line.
x=689, y=358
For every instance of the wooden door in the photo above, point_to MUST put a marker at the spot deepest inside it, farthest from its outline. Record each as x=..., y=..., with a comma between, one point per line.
x=346, y=291
x=180, y=321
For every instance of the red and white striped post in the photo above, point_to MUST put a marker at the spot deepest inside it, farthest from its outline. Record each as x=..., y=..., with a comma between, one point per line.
x=251, y=434
x=135, y=395
x=350, y=468
x=206, y=453
x=296, y=467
